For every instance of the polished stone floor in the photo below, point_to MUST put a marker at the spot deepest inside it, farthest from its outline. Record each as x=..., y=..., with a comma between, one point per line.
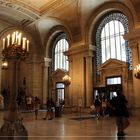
x=76, y=127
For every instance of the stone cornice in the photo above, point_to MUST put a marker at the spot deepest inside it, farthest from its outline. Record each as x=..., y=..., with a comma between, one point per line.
x=133, y=35
x=55, y=4
x=79, y=50
x=9, y=4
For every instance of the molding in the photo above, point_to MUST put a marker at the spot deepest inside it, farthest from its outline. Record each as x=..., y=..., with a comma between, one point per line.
x=133, y=35
x=113, y=63
x=53, y=5
x=79, y=50
x=9, y=4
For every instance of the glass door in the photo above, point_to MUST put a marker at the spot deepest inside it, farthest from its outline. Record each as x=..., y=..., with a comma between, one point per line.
x=60, y=92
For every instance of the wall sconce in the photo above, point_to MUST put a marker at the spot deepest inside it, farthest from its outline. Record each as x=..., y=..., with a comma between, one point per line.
x=66, y=80
x=137, y=71
x=4, y=65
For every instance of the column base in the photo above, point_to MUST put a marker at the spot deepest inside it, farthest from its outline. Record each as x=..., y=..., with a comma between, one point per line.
x=13, y=129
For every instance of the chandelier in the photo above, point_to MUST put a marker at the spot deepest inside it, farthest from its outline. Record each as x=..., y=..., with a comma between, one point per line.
x=15, y=46
x=66, y=79
x=137, y=71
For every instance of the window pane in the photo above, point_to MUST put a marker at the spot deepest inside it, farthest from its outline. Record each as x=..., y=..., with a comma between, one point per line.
x=108, y=48
x=118, y=48
x=106, y=30
x=123, y=49
x=113, y=81
x=103, y=33
x=121, y=28
x=110, y=42
x=111, y=28
x=116, y=27
x=59, y=85
x=60, y=59
x=113, y=51
x=103, y=51
x=113, y=45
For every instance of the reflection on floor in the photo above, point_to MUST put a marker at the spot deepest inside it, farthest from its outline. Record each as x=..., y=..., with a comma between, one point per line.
x=75, y=127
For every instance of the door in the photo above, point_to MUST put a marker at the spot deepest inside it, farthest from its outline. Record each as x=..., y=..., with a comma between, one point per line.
x=113, y=84
x=60, y=92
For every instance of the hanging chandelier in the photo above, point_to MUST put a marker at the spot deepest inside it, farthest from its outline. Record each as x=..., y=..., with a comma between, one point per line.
x=66, y=79
x=15, y=46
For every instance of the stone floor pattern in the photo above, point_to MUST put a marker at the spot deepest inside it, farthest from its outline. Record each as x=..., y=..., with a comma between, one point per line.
x=76, y=127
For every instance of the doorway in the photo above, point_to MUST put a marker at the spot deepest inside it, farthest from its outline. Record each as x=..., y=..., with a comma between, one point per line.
x=60, y=92
x=113, y=84
x=110, y=90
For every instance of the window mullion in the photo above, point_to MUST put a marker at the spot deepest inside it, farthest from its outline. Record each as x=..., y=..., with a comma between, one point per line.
x=115, y=40
x=120, y=41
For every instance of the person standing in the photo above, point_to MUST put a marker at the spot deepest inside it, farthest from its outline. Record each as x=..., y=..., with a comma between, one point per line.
x=52, y=104
x=119, y=105
x=97, y=104
x=104, y=106
x=36, y=106
x=29, y=103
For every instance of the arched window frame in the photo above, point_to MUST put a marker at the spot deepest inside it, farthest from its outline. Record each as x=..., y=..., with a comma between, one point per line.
x=112, y=16
x=61, y=62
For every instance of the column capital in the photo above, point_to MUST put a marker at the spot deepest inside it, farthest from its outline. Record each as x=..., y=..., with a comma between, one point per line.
x=133, y=44
x=47, y=61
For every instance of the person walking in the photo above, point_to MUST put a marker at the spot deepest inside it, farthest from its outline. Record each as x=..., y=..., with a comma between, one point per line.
x=48, y=109
x=119, y=105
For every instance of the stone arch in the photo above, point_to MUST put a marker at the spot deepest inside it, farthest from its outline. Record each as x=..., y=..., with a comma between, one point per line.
x=54, y=32
x=101, y=11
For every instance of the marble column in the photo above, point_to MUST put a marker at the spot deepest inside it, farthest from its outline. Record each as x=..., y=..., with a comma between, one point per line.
x=89, y=81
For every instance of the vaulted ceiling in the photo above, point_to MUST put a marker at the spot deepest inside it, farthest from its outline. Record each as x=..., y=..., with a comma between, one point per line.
x=42, y=15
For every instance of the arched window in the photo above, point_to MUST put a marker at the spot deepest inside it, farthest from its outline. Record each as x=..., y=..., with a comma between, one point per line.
x=109, y=39
x=60, y=60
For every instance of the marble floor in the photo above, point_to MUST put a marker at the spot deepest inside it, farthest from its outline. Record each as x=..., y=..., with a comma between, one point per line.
x=76, y=127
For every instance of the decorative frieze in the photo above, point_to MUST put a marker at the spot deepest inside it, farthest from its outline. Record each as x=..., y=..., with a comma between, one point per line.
x=9, y=4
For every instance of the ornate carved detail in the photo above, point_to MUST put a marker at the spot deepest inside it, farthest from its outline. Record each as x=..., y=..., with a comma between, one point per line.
x=55, y=4
x=14, y=6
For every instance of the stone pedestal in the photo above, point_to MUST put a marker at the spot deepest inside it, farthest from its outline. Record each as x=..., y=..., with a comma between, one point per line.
x=13, y=129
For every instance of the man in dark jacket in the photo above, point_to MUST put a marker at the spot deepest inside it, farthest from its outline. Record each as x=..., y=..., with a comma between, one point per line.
x=119, y=105
x=97, y=104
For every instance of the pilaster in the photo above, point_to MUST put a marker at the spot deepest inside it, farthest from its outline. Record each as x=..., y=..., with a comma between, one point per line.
x=81, y=73
x=134, y=45
x=46, y=78
x=89, y=81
